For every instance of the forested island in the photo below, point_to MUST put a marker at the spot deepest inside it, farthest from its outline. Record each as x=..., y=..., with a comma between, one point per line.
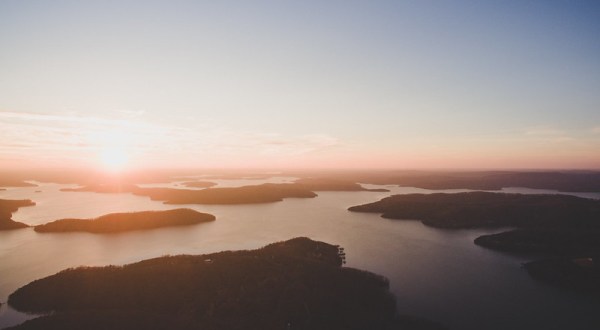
x=296, y=284
x=7, y=208
x=120, y=222
x=566, y=228
x=563, y=240
x=487, y=209
x=263, y=193
x=571, y=255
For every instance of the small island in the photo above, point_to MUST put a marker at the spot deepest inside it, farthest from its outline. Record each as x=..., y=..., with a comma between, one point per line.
x=296, y=284
x=7, y=208
x=121, y=222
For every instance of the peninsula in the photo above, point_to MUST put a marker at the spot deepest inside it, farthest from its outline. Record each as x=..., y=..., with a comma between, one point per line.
x=198, y=184
x=296, y=284
x=326, y=184
x=487, y=209
x=571, y=255
x=105, y=188
x=561, y=241
x=580, y=274
x=7, y=208
x=120, y=222
x=564, y=228
x=6, y=182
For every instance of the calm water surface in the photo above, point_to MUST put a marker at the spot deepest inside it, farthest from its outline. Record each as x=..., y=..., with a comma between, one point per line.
x=437, y=274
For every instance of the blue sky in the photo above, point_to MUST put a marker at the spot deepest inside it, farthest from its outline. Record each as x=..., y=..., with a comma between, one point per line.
x=403, y=84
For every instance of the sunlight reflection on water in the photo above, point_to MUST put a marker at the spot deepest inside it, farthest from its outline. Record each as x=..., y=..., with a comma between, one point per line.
x=437, y=274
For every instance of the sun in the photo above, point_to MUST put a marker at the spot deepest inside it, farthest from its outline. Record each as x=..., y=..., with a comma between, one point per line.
x=113, y=147
x=114, y=159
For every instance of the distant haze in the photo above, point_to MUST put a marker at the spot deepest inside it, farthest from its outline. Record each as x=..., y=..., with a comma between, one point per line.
x=323, y=84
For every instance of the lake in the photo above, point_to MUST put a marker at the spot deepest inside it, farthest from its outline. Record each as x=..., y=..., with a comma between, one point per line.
x=436, y=274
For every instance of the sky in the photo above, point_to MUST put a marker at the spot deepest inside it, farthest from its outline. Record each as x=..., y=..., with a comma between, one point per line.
x=300, y=84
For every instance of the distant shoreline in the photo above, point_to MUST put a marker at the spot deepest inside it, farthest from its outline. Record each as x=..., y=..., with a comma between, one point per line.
x=251, y=194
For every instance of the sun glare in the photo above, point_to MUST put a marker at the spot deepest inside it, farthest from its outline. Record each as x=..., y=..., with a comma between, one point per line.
x=113, y=147
x=114, y=159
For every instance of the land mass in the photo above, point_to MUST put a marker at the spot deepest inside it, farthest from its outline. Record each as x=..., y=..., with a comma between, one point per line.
x=561, y=241
x=567, y=228
x=580, y=274
x=296, y=284
x=565, y=181
x=263, y=193
x=6, y=182
x=120, y=222
x=7, y=208
x=198, y=184
x=572, y=255
x=105, y=188
x=487, y=209
x=326, y=184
